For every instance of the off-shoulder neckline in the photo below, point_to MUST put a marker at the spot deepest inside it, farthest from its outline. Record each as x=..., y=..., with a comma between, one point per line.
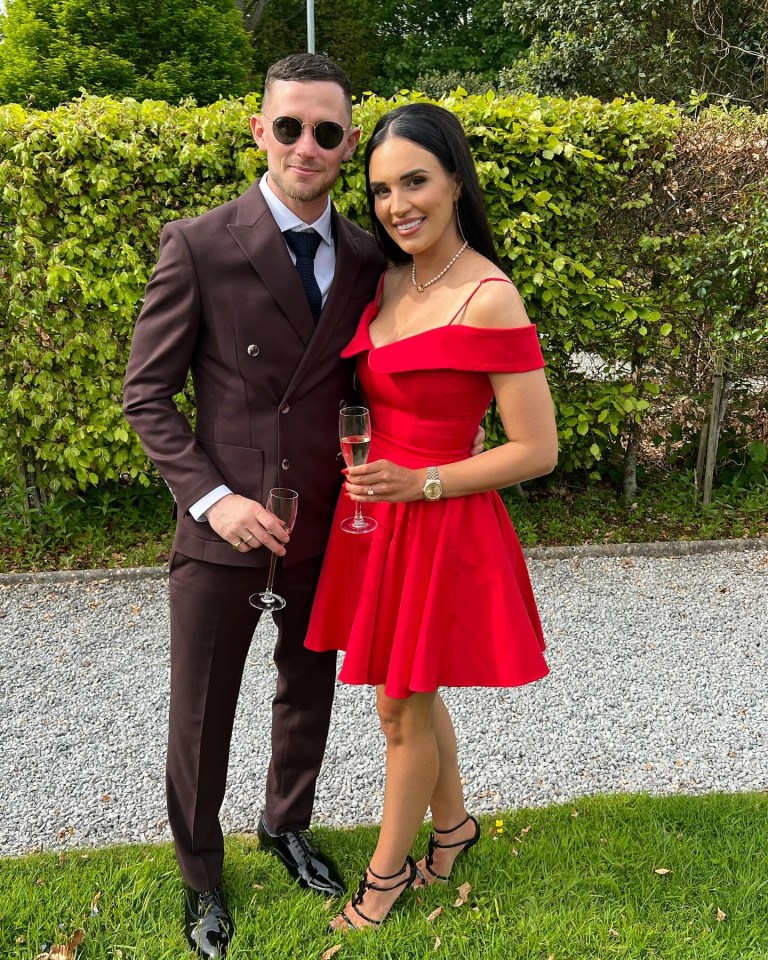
x=457, y=326
x=445, y=326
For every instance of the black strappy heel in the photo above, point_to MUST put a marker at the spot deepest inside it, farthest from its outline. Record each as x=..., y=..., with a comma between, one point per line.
x=434, y=843
x=366, y=885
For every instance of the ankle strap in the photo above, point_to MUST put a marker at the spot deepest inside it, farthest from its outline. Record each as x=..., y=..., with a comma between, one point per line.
x=435, y=830
x=405, y=866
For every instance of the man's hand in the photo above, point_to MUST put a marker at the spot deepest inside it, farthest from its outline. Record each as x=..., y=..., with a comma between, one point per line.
x=478, y=442
x=247, y=525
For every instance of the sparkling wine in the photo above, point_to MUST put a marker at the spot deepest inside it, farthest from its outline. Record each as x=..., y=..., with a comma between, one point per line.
x=355, y=437
x=355, y=450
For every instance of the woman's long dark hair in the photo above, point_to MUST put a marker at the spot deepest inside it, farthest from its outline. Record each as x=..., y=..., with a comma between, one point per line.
x=437, y=130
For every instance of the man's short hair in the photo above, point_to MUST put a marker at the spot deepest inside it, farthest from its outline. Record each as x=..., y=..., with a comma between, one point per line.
x=309, y=66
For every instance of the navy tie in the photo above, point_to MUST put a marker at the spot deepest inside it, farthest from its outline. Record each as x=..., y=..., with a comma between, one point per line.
x=304, y=244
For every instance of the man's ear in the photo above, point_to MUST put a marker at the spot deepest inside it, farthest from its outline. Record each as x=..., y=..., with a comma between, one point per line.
x=351, y=145
x=257, y=129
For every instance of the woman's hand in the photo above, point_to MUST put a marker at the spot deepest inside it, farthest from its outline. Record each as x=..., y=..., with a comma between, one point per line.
x=389, y=482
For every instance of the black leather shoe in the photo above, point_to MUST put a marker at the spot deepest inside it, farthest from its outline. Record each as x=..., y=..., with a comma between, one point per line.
x=208, y=926
x=302, y=859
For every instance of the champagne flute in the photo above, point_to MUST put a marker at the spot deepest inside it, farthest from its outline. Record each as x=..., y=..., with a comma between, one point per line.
x=283, y=503
x=355, y=436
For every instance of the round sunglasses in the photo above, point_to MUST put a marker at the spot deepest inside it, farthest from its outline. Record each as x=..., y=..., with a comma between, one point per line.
x=327, y=133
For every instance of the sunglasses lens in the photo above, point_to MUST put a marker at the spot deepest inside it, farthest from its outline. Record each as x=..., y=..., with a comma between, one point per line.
x=329, y=134
x=286, y=129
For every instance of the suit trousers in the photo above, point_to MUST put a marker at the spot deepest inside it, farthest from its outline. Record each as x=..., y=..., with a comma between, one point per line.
x=212, y=626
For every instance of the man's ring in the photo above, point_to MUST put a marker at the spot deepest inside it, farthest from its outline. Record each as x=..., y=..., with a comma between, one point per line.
x=370, y=491
x=236, y=545
x=248, y=538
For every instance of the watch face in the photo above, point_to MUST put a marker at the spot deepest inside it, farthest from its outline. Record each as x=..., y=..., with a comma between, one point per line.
x=433, y=490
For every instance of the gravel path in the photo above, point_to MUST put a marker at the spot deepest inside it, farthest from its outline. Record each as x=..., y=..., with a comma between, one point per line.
x=659, y=682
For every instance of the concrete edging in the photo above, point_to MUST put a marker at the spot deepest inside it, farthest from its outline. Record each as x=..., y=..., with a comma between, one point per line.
x=672, y=548
x=663, y=548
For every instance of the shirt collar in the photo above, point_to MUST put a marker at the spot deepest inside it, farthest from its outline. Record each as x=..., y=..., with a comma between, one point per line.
x=287, y=220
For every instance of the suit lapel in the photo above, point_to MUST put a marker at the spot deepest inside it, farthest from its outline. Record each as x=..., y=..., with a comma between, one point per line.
x=344, y=278
x=259, y=237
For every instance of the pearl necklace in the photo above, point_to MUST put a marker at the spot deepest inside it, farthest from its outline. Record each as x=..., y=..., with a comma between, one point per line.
x=421, y=287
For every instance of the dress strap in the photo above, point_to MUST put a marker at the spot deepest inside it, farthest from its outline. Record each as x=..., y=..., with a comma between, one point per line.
x=464, y=305
x=379, y=288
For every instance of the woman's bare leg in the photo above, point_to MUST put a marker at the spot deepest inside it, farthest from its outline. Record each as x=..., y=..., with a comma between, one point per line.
x=447, y=800
x=412, y=773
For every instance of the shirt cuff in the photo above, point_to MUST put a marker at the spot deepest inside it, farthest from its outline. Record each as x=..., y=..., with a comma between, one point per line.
x=199, y=508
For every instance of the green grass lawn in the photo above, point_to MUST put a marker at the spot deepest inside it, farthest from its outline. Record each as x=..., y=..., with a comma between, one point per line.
x=606, y=878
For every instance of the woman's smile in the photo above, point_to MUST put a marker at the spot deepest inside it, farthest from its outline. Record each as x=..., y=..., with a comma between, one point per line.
x=407, y=227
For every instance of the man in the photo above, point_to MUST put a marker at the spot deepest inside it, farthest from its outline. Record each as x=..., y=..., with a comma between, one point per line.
x=258, y=310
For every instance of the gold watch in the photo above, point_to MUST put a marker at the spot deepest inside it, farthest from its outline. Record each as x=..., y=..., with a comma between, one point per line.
x=432, y=488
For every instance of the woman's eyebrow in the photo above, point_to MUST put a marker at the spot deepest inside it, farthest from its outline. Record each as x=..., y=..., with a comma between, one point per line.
x=405, y=176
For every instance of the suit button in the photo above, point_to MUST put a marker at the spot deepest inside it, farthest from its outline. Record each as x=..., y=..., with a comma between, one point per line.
x=285, y=408
x=339, y=456
x=253, y=350
x=285, y=464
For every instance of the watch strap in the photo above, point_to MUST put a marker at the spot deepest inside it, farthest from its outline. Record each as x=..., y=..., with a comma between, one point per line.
x=433, y=480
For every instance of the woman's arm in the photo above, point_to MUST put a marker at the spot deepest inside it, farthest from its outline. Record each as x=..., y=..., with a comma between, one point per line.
x=525, y=406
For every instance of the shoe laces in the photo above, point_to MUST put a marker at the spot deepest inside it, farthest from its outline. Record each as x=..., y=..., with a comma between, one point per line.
x=307, y=841
x=209, y=898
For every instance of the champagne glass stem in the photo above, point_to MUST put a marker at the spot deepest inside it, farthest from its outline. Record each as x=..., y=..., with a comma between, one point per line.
x=359, y=520
x=271, y=578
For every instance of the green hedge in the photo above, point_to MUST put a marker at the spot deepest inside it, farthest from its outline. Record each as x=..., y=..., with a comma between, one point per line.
x=85, y=189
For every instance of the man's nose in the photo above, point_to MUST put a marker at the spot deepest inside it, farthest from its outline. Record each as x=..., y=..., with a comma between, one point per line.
x=306, y=145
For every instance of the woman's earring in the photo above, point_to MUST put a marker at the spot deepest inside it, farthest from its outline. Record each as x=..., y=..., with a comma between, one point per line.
x=458, y=219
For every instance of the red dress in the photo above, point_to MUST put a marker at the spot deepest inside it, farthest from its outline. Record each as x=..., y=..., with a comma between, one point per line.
x=439, y=594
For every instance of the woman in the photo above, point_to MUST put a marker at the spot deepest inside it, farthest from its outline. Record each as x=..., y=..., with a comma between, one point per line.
x=439, y=594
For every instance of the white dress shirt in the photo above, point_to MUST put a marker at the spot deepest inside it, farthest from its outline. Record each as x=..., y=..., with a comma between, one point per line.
x=325, y=265
x=325, y=258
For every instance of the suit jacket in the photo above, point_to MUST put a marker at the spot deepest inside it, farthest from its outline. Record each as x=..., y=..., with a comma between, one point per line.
x=226, y=302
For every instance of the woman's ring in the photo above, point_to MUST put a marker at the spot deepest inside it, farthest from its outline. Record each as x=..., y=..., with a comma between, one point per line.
x=370, y=491
x=236, y=545
x=248, y=538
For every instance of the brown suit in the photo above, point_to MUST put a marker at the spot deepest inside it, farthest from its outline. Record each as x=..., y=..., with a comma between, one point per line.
x=226, y=302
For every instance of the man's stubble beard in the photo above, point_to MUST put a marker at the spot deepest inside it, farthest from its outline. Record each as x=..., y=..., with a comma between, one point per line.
x=305, y=195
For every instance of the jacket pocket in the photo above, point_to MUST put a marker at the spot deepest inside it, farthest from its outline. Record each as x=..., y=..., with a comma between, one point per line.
x=243, y=471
